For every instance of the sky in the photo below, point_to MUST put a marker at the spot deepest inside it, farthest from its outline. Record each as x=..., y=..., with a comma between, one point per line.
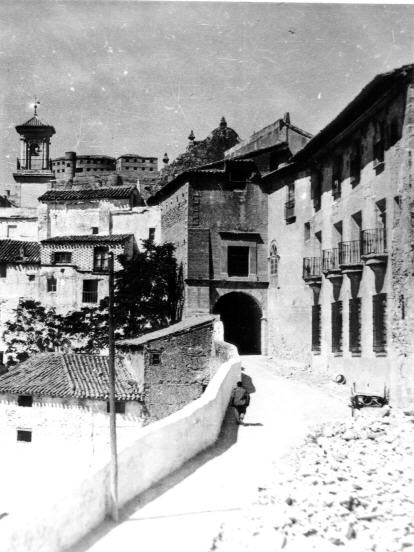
x=118, y=77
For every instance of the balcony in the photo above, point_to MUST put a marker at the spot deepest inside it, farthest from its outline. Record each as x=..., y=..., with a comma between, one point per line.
x=350, y=256
x=330, y=261
x=374, y=246
x=290, y=211
x=312, y=270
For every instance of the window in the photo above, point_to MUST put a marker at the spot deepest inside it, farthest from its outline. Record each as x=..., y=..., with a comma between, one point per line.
x=25, y=400
x=100, y=259
x=90, y=291
x=95, y=230
x=336, y=322
x=379, y=147
x=316, y=328
x=31, y=277
x=379, y=306
x=51, y=284
x=151, y=234
x=237, y=261
x=3, y=270
x=316, y=189
x=24, y=435
x=119, y=407
x=355, y=325
x=394, y=132
x=62, y=257
x=337, y=177
x=155, y=358
x=290, y=203
x=273, y=260
x=306, y=227
x=11, y=231
x=355, y=164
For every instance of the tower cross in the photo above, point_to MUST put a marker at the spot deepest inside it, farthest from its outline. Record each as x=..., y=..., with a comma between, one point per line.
x=36, y=103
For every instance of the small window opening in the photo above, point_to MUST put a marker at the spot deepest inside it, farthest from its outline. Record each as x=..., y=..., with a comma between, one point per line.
x=51, y=284
x=25, y=400
x=24, y=435
x=119, y=407
x=155, y=358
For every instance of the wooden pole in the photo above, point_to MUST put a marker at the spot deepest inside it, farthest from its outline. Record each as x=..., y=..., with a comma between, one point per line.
x=112, y=414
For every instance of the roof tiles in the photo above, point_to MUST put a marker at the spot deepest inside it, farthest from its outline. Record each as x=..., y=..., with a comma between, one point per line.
x=91, y=238
x=21, y=252
x=62, y=375
x=114, y=192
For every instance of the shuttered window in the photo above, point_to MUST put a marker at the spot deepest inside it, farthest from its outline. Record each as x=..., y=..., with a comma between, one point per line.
x=379, y=308
x=355, y=325
x=316, y=328
x=336, y=322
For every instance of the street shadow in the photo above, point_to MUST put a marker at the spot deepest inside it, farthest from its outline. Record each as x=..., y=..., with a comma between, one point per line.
x=226, y=439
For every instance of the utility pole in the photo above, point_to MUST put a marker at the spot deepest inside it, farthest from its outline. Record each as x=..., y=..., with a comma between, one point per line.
x=112, y=414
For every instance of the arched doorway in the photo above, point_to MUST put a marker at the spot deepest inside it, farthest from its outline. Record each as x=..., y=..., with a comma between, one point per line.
x=241, y=317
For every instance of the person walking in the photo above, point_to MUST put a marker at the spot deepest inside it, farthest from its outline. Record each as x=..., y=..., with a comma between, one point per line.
x=240, y=401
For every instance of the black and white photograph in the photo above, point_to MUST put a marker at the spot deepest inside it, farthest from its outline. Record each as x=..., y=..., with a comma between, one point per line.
x=206, y=276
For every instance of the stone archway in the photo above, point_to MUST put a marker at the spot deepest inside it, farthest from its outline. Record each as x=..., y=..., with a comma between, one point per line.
x=241, y=316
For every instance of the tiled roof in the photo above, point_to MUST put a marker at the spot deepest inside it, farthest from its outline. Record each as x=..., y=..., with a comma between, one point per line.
x=16, y=251
x=34, y=122
x=68, y=375
x=91, y=238
x=182, y=326
x=114, y=192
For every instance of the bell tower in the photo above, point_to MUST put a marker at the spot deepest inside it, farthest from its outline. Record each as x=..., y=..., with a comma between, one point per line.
x=33, y=171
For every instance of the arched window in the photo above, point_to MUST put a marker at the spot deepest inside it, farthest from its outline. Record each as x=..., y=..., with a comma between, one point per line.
x=274, y=260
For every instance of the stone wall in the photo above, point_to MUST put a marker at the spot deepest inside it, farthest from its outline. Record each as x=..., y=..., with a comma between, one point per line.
x=174, y=223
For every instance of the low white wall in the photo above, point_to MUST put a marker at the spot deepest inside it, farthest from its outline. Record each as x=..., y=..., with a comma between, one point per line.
x=65, y=515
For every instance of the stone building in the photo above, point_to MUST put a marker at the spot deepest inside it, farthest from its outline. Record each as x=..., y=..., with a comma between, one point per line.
x=136, y=165
x=72, y=164
x=216, y=215
x=74, y=269
x=334, y=214
x=96, y=209
x=173, y=363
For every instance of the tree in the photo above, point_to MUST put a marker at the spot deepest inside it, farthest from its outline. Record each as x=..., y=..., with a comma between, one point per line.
x=148, y=296
x=34, y=329
x=148, y=290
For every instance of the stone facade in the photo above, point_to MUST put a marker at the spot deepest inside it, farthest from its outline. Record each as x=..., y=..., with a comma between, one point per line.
x=173, y=364
x=347, y=219
x=207, y=215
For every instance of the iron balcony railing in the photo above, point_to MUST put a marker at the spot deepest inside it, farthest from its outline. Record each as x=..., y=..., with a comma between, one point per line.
x=311, y=267
x=290, y=209
x=330, y=259
x=350, y=252
x=374, y=242
x=89, y=297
